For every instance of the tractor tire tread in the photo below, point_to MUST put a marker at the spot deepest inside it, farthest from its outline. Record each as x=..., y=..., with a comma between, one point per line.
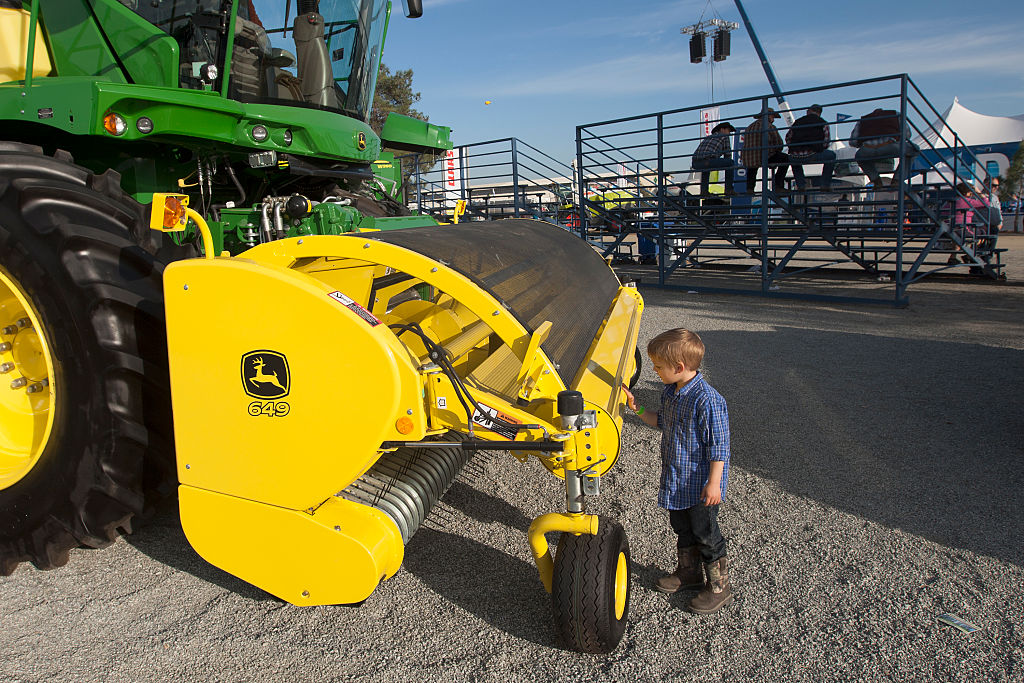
x=76, y=236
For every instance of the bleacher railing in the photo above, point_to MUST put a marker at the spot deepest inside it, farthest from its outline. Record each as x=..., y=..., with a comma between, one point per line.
x=641, y=200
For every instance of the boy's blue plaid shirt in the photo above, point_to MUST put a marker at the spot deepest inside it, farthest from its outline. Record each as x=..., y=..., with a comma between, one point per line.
x=694, y=423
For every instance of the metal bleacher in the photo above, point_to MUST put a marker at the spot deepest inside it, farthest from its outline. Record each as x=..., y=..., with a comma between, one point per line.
x=505, y=178
x=641, y=203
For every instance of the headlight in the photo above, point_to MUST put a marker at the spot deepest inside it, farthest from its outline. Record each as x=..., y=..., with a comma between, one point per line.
x=259, y=133
x=115, y=124
x=209, y=73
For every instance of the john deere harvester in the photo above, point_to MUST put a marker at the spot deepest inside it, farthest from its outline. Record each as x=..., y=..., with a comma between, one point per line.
x=201, y=289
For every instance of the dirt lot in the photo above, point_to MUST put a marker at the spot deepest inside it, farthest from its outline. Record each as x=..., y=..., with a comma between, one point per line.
x=877, y=482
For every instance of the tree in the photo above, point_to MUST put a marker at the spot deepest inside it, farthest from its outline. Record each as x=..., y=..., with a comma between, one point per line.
x=1012, y=184
x=394, y=94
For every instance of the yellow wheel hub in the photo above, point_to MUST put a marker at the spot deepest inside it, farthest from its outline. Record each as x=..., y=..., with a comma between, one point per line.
x=26, y=384
x=621, y=584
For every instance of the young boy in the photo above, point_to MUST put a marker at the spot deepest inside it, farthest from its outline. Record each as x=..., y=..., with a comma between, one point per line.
x=694, y=424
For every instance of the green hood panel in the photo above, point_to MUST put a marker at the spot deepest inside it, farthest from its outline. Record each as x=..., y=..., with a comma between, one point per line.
x=192, y=118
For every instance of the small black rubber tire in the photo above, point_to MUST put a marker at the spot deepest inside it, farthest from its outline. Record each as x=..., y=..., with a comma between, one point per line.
x=583, y=588
x=80, y=249
x=638, y=358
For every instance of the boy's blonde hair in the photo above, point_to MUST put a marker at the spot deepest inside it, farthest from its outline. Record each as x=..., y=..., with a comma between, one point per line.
x=678, y=346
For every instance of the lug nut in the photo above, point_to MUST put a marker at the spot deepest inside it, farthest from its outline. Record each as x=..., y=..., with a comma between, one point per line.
x=35, y=388
x=5, y=347
x=24, y=322
x=6, y=367
x=8, y=330
x=19, y=383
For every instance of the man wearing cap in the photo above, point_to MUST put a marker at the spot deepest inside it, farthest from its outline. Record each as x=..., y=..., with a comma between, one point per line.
x=808, y=141
x=762, y=143
x=877, y=139
x=715, y=153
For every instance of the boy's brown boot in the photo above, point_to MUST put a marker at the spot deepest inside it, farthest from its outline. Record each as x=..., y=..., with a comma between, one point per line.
x=688, y=573
x=717, y=592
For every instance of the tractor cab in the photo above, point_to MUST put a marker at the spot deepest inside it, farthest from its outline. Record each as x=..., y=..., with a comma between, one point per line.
x=321, y=54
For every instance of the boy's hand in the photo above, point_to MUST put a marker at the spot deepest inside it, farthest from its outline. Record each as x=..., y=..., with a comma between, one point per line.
x=630, y=401
x=712, y=493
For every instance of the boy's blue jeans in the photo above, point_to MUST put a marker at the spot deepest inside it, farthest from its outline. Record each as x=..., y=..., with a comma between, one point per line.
x=699, y=526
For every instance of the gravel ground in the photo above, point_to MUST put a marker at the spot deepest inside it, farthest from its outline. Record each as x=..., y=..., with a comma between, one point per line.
x=876, y=483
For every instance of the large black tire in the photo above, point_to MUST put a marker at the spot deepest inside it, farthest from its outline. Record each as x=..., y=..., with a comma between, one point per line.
x=583, y=588
x=79, y=248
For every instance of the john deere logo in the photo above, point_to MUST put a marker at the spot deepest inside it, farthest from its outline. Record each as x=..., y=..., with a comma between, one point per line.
x=265, y=374
x=361, y=140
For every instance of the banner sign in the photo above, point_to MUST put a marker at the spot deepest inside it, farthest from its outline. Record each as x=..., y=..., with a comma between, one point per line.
x=709, y=117
x=454, y=179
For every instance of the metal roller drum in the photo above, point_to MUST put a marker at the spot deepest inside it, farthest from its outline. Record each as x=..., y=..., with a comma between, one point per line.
x=407, y=483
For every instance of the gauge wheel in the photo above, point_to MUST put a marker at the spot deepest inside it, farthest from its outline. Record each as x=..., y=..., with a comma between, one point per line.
x=590, y=588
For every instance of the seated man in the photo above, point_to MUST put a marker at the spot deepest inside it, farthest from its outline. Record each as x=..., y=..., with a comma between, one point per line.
x=808, y=141
x=762, y=144
x=877, y=137
x=715, y=153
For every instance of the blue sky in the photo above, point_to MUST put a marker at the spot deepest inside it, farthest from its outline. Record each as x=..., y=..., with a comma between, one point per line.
x=549, y=66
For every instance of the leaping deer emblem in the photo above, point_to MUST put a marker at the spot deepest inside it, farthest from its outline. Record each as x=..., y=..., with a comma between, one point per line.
x=262, y=378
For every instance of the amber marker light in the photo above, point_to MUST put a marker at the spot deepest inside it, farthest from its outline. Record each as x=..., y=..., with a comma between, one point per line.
x=404, y=425
x=115, y=124
x=174, y=213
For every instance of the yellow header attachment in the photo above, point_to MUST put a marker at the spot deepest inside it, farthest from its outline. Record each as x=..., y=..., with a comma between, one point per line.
x=342, y=398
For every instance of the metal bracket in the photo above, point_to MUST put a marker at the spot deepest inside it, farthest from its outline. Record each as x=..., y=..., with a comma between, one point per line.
x=585, y=420
x=583, y=472
x=591, y=484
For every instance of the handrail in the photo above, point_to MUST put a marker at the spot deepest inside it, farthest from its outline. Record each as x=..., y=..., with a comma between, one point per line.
x=741, y=100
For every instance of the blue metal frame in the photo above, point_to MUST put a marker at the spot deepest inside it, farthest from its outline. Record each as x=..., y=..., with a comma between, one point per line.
x=506, y=168
x=897, y=237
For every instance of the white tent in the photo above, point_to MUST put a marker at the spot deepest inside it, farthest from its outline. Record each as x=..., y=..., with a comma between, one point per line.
x=972, y=128
x=940, y=174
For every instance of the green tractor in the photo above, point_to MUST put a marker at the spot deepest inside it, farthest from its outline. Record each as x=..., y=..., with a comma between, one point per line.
x=256, y=110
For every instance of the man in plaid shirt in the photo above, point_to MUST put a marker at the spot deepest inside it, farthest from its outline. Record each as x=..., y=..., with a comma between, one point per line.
x=762, y=138
x=715, y=153
x=694, y=424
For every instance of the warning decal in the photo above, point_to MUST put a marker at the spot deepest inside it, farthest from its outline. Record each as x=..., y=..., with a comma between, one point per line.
x=351, y=304
x=487, y=420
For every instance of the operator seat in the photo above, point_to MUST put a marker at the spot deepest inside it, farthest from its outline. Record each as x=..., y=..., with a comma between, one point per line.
x=257, y=69
x=248, y=72
x=314, y=64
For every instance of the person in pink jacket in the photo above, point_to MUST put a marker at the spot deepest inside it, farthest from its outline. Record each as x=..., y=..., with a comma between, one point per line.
x=971, y=208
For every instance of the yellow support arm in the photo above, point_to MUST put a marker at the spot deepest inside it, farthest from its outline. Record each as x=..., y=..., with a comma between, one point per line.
x=567, y=523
